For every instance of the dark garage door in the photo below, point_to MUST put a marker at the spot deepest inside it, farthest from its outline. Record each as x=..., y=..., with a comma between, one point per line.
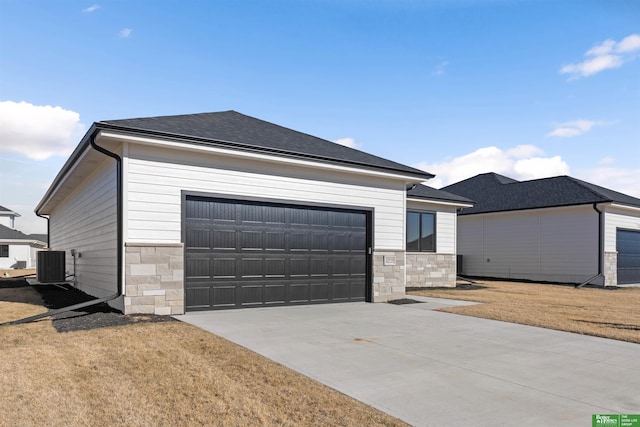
x=247, y=254
x=628, y=247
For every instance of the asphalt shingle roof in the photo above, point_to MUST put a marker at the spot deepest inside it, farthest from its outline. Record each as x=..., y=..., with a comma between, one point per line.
x=11, y=234
x=496, y=193
x=235, y=130
x=424, y=192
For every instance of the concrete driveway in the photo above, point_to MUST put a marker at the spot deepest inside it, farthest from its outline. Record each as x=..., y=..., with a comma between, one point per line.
x=432, y=368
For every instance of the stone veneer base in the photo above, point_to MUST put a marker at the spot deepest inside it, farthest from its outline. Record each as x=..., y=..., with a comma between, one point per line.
x=610, y=269
x=388, y=275
x=426, y=270
x=154, y=278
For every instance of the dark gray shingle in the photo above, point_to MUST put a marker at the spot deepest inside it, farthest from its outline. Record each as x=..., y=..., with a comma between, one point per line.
x=11, y=234
x=235, y=130
x=424, y=192
x=497, y=193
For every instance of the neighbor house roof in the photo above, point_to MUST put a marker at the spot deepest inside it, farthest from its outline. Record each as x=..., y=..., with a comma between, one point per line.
x=7, y=233
x=424, y=192
x=5, y=211
x=231, y=129
x=496, y=193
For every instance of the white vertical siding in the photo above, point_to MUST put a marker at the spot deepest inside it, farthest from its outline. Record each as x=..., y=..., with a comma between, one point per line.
x=615, y=217
x=555, y=244
x=157, y=176
x=87, y=222
x=445, y=224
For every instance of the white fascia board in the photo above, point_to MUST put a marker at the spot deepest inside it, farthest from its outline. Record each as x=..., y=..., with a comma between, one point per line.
x=255, y=156
x=22, y=242
x=625, y=207
x=441, y=202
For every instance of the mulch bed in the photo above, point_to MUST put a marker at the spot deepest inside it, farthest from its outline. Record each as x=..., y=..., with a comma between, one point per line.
x=86, y=318
x=403, y=301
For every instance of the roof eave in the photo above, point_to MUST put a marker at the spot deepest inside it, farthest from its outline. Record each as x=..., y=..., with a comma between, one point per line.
x=416, y=174
x=457, y=203
x=68, y=165
x=537, y=208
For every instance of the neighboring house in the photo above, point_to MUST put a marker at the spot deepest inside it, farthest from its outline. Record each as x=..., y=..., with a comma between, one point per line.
x=558, y=229
x=17, y=250
x=8, y=217
x=222, y=210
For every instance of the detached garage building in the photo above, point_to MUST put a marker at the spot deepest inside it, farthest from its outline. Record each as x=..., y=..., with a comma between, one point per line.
x=221, y=210
x=558, y=229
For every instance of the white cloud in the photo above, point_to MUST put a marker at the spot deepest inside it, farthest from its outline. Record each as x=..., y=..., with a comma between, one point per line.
x=522, y=163
x=629, y=44
x=523, y=151
x=125, y=32
x=608, y=54
x=91, y=8
x=440, y=68
x=606, y=160
x=574, y=128
x=625, y=181
x=38, y=132
x=347, y=142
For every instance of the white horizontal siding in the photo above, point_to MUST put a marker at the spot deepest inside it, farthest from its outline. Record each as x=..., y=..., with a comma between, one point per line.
x=558, y=244
x=628, y=219
x=156, y=177
x=87, y=222
x=471, y=244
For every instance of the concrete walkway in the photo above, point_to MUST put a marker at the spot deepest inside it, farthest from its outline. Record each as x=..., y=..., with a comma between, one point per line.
x=432, y=368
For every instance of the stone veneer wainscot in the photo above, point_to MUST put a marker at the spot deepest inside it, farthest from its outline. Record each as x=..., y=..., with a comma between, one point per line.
x=154, y=278
x=426, y=269
x=388, y=275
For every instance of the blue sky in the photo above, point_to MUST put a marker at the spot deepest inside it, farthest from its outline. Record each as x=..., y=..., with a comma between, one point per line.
x=528, y=89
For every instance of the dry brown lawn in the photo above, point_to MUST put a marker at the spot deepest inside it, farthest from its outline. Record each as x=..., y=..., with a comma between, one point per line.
x=17, y=272
x=152, y=374
x=602, y=312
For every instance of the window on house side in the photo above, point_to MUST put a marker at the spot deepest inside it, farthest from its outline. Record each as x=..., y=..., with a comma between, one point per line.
x=421, y=232
x=4, y=251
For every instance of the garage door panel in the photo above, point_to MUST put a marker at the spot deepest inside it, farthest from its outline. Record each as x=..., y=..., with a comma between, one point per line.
x=299, y=292
x=275, y=241
x=223, y=296
x=197, y=238
x=253, y=254
x=197, y=267
x=223, y=239
x=319, y=292
x=251, y=267
x=628, y=247
x=275, y=267
x=251, y=294
x=275, y=294
x=223, y=268
x=198, y=209
x=197, y=297
x=318, y=267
